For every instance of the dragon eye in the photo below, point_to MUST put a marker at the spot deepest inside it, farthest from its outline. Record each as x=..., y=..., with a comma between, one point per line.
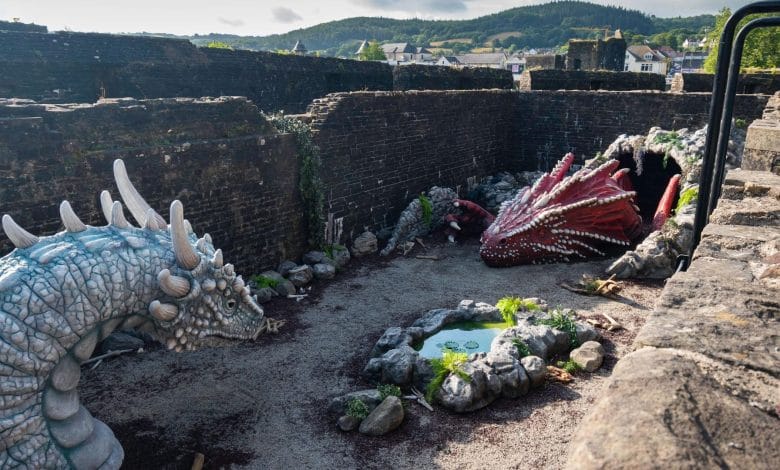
x=231, y=303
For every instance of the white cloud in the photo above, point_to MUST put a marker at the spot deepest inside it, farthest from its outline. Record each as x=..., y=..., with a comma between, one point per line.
x=423, y=6
x=235, y=23
x=285, y=15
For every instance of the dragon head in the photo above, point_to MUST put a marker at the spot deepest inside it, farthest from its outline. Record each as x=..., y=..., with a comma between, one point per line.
x=203, y=302
x=559, y=218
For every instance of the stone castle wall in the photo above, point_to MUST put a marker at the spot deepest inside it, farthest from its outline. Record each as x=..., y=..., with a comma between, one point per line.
x=590, y=80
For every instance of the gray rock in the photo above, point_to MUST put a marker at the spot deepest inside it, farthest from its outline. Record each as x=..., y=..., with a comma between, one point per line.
x=586, y=332
x=462, y=396
x=265, y=294
x=324, y=271
x=385, y=418
x=301, y=275
x=536, y=369
x=364, y=244
x=589, y=356
x=121, y=340
x=392, y=338
x=285, y=288
x=273, y=274
x=338, y=406
x=373, y=370
x=285, y=267
x=348, y=423
x=313, y=257
x=434, y=320
x=340, y=256
x=398, y=365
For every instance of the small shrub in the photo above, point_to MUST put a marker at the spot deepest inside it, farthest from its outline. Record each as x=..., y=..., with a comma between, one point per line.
x=687, y=197
x=451, y=362
x=388, y=390
x=569, y=366
x=219, y=45
x=331, y=248
x=508, y=306
x=522, y=348
x=563, y=322
x=740, y=123
x=427, y=209
x=262, y=282
x=357, y=408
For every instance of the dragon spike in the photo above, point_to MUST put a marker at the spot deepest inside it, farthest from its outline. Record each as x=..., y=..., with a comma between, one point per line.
x=69, y=218
x=151, y=222
x=105, y=204
x=185, y=253
x=20, y=237
x=163, y=312
x=208, y=239
x=136, y=204
x=201, y=245
x=175, y=286
x=118, y=216
x=217, y=260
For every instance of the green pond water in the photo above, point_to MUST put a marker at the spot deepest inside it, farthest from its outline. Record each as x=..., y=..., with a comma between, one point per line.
x=468, y=337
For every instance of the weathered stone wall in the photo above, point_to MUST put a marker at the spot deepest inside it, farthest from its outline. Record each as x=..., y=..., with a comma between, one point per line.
x=19, y=26
x=590, y=80
x=425, y=77
x=545, y=61
x=585, y=122
x=595, y=54
x=236, y=177
x=705, y=370
x=380, y=150
x=763, y=83
x=77, y=67
x=762, y=143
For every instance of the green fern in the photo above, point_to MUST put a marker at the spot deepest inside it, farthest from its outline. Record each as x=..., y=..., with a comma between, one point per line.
x=508, y=306
x=522, y=348
x=569, y=366
x=262, y=281
x=427, y=209
x=687, y=197
x=563, y=322
x=451, y=362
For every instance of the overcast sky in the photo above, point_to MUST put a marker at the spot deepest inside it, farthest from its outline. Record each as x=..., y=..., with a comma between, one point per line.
x=263, y=17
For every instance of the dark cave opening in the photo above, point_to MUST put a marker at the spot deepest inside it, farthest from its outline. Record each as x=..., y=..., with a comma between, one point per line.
x=649, y=175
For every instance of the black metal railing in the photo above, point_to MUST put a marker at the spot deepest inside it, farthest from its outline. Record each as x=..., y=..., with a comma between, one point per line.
x=721, y=111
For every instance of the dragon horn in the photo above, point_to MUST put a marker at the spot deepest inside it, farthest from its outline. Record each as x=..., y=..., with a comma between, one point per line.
x=175, y=286
x=185, y=254
x=118, y=216
x=105, y=204
x=20, y=237
x=152, y=222
x=217, y=260
x=164, y=312
x=136, y=204
x=69, y=218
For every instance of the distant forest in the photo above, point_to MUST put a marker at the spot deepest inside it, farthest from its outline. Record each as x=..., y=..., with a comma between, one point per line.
x=549, y=25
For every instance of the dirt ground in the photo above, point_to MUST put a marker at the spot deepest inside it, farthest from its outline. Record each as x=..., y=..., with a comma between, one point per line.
x=263, y=404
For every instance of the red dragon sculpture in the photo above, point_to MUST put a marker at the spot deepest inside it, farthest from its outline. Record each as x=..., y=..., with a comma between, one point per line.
x=560, y=218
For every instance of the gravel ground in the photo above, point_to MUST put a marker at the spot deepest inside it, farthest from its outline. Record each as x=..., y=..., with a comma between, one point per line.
x=262, y=404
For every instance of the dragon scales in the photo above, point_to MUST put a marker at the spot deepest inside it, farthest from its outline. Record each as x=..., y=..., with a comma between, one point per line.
x=61, y=295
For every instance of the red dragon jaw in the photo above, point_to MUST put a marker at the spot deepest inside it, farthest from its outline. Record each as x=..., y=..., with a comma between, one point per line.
x=562, y=218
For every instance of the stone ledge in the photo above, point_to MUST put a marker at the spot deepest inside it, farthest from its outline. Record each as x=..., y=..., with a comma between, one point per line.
x=670, y=409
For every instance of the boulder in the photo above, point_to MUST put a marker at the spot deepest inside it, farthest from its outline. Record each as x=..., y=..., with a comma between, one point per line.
x=589, y=356
x=535, y=368
x=313, y=257
x=324, y=271
x=340, y=256
x=385, y=418
x=364, y=244
x=273, y=275
x=285, y=267
x=285, y=288
x=371, y=397
x=265, y=294
x=300, y=275
x=348, y=423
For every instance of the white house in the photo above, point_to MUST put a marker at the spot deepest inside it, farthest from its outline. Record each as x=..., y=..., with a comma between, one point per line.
x=644, y=59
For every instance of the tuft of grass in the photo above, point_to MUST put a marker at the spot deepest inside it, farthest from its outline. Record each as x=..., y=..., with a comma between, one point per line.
x=388, y=390
x=451, y=362
x=262, y=281
x=673, y=140
x=563, y=322
x=569, y=366
x=508, y=306
x=740, y=123
x=427, y=209
x=357, y=408
x=522, y=348
x=687, y=197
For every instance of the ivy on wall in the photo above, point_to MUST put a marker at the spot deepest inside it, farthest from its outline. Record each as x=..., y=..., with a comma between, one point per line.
x=310, y=185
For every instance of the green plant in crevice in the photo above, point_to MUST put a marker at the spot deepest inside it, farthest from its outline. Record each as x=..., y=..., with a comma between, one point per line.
x=508, y=306
x=310, y=185
x=262, y=281
x=740, y=123
x=569, y=366
x=427, y=209
x=673, y=140
x=451, y=362
x=388, y=390
x=357, y=408
x=522, y=348
x=564, y=322
x=688, y=196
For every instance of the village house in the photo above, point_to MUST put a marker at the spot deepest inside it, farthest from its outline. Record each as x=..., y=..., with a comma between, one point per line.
x=644, y=59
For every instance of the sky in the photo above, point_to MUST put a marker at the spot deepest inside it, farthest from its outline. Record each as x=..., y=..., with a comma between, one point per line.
x=264, y=17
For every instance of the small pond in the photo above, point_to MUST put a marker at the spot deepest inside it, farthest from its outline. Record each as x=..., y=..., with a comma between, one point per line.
x=468, y=337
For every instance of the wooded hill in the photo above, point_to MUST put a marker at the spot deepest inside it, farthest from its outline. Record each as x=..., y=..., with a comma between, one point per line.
x=537, y=26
